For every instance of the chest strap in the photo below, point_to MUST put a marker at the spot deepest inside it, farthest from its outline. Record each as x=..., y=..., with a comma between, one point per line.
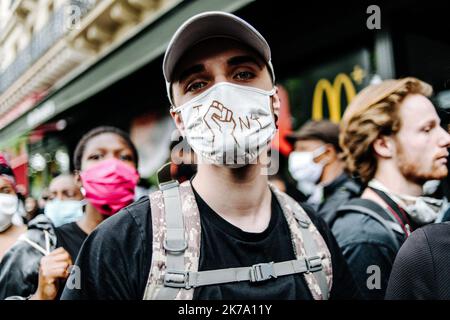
x=256, y=273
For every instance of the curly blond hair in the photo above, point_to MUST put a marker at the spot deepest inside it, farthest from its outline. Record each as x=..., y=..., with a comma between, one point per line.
x=374, y=112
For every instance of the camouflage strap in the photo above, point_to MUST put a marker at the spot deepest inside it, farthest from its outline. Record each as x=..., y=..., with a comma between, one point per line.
x=169, y=280
x=174, y=244
x=158, y=276
x=312, y=251
x=307, y=242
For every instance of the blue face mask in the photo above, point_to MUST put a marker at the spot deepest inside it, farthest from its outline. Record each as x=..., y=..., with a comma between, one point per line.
x=63, y=211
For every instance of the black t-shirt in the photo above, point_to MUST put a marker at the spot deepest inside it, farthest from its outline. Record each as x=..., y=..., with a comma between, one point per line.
x=115, y=259
x=70, y=237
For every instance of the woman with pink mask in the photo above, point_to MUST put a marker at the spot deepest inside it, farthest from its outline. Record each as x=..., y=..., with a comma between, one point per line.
x=105, y=162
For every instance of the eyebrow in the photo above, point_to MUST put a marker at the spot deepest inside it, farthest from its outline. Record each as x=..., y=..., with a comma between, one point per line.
x=108, y=149
x=432, y=121
x=190, y=71
x=235, y=61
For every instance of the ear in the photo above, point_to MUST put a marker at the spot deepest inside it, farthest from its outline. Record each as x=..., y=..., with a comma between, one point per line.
x=329, y=154
x=79, y=184
x=330, y=151
x=77, y=178
x=384, y=147
x=276, y=105
x=176, y=116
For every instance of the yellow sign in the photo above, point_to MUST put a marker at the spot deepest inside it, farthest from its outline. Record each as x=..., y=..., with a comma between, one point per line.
x=333, y=94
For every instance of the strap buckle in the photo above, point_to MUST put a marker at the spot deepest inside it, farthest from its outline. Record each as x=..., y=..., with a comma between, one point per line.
x=177, y=279
x=313, y=264
x=168, y=185
x=261, y=272
x=175, y=246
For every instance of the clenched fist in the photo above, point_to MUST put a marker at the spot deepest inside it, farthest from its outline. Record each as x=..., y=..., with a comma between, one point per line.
x=54, y=266
x=223, y=119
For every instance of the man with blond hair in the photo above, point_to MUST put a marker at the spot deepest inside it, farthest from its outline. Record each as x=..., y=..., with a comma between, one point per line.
x=392, y=140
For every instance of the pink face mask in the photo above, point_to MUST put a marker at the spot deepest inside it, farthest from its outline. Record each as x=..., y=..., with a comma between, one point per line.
x=110, y=185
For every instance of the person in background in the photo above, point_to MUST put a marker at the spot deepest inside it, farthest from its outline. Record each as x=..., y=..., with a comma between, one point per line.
x=105, y=162
x=420, y=269
x=32, y=208
x=43, y=198
x=316, y=165
x=64, y=205
x=392, y=139
x=11, y=225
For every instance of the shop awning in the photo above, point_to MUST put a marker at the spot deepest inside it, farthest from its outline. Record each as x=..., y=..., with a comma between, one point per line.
x=145, y=47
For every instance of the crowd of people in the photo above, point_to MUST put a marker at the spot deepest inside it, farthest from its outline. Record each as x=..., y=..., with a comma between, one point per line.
x=365, y=218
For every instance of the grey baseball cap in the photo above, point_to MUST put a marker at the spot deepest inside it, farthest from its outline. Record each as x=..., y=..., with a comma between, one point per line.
x=212, y=24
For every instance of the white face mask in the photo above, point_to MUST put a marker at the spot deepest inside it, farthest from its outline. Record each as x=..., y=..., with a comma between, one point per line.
x=430, y=187
x=8, y=207
x=303, y=168
x=229, y=124
x=63, y=211
x=306, y=187
x=422, y=210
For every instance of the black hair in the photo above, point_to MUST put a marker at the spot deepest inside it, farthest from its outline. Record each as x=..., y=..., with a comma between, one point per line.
x=6, y=170
x=79, y=150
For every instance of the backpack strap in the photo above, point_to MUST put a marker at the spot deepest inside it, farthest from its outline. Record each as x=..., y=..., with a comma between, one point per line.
x=377, y=213
x=401, y=215
x=309, y=243
x=255, y=273
x=174, y=251
x=174, y=243
x=174, y=267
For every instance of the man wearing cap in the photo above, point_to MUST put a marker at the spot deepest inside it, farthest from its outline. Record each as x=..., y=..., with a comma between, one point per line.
x=316, y=166
x=392, y=139
x=232, y=239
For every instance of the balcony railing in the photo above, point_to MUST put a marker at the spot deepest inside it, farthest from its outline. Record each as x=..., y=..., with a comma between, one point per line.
x=40, y=42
